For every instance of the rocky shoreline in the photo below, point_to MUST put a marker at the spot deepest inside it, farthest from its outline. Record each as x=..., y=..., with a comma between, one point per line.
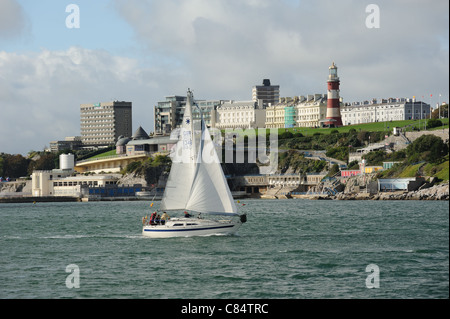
x=437, y=192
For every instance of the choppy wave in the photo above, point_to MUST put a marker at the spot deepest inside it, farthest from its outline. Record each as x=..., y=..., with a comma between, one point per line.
x=318, y=249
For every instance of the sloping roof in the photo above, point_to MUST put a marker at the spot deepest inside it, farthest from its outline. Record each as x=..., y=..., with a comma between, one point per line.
x=140, y=134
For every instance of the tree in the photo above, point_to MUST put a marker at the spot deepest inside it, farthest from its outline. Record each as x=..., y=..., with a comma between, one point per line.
x=440, y=112
x=429, y=148
x=375, y=157
x=15, y=166
x=45, y=162
x=2, y=161
x=363, y=136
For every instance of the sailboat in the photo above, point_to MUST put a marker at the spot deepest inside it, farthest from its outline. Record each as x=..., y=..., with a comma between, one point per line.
x=196, y=184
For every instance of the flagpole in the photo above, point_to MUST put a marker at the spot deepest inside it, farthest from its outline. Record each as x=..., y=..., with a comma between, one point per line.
x=420, y=121
x=431, y=95
x=439, y=105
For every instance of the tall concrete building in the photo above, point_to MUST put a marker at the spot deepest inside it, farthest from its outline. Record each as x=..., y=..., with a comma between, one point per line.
x=269, y=94
x=169, y=113
x=102, y=123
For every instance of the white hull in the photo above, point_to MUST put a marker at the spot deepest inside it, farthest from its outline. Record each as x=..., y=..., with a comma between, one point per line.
x=187, y=227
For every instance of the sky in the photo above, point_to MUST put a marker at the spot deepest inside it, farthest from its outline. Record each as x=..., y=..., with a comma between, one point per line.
x=144, y=50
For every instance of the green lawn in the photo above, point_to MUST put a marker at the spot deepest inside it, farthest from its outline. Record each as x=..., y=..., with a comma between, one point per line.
x=108, y=153
x=369, y=127
x=408, y=125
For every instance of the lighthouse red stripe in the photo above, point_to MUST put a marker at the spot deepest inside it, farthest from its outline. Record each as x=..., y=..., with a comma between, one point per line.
x=333, y=86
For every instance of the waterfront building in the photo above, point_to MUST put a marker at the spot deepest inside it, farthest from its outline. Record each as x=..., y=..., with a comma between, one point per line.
x=73, y=185
x=333, y=102
x=64, y=182
x=399, y=184
x=58, y=183
x=384, y=110
x=249, y=185
x=138, y=147
x=42, y=181
x=238, y=114
x=107, y=164
x=274, y=184
x=109, y=190
x=269, y=94
x=103, y=123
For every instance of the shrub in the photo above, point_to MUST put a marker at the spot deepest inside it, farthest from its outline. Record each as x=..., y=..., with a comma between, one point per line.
x=434, y=123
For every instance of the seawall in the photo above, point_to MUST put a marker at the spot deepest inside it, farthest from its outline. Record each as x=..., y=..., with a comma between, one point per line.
x=38, y=199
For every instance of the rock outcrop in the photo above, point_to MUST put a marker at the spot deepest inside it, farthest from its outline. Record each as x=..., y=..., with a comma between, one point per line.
x=437, y=192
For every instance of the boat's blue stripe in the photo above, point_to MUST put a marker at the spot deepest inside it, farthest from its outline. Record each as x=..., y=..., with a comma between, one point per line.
x=194, y=229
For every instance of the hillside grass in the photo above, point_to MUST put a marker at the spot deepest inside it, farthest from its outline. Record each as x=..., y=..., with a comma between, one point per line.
x=411, y=171
x=443, y=174
x=440, y=171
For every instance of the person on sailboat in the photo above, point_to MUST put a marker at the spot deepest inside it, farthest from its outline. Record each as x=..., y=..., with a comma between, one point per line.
x=165, y=217
x=187, y=215
x=152, y=218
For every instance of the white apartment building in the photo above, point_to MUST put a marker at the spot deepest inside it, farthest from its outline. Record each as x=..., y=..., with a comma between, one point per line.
x=311, y=110
x=238, y=114
x=391, y=109
x=275, y=115
x=299, y=111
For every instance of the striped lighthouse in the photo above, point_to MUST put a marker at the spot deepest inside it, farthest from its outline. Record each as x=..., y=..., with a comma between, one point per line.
x=333, y=103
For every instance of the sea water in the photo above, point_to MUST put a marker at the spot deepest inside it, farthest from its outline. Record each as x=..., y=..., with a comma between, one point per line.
x=290, y=249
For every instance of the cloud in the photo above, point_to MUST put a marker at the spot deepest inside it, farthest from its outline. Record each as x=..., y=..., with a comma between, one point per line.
x=13, y=21
x=225, y=47
x=220, y=49
x=40, y=93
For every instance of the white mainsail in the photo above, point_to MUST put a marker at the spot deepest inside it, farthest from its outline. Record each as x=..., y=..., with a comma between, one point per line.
x=196, y=181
